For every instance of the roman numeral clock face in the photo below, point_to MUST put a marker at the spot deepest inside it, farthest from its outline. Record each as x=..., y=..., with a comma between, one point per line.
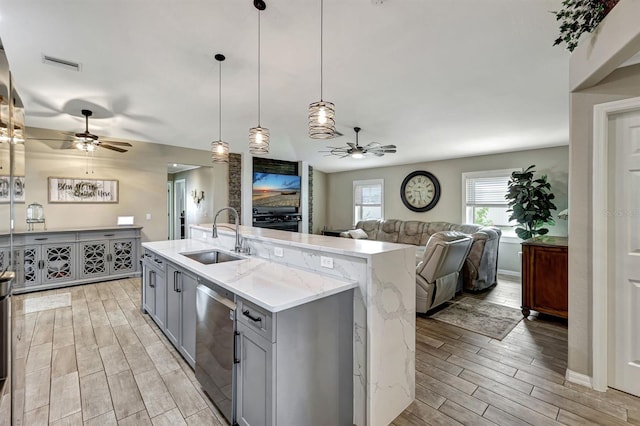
x=420, y=191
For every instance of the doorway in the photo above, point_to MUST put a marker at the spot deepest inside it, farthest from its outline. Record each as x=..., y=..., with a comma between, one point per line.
x=179, y=209
x=170, y=230
x=616, y=246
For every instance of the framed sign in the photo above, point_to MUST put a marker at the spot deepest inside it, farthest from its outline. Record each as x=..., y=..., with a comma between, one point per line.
x=18, y=189
x=78, y=190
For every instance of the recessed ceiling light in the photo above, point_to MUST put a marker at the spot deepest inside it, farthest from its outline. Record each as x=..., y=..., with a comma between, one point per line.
x=70, y=65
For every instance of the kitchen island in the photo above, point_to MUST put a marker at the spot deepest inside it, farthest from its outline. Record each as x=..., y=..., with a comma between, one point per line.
x=313, y=267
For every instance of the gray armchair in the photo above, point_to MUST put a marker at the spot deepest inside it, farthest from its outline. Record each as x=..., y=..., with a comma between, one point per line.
x=437, y=273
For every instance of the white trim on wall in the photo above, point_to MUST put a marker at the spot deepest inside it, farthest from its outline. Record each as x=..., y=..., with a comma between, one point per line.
x=599, y=260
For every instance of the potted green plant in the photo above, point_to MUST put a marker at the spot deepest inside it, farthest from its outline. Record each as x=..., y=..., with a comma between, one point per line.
x=580, y=16
x=530, y=203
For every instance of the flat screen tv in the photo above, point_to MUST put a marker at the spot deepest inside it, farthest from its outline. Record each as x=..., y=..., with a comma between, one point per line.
x=275, y=190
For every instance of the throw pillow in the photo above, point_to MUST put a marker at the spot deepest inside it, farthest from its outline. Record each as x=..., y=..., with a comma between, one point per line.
x=358, y=234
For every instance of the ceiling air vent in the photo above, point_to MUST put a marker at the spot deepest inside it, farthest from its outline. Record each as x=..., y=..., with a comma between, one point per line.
x=72, y=66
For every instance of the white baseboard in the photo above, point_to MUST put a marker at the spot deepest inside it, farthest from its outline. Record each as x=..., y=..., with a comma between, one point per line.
x=578, y=378
x=514, y=274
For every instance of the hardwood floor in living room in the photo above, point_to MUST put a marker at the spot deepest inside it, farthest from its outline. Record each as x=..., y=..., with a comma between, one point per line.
x=466, y=378
x=100, y=361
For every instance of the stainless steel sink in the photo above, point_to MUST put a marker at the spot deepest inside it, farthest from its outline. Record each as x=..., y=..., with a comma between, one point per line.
x=209, y=257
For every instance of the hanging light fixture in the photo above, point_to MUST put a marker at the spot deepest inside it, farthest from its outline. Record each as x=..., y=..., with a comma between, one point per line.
x=219, y=148
x=259, y=136
x=322, y=114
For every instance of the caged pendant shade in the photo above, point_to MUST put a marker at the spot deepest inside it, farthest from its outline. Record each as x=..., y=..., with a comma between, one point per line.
x=219, y=148
x=259, y=136
x=322, y=114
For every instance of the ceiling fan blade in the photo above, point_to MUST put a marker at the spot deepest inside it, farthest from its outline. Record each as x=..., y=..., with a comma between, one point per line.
x=116, y=143
x=388, y=147
x=351, y=144
x=112, y=148
x=337, y=134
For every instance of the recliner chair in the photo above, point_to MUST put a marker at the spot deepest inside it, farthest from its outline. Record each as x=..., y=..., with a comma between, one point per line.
x=437, y=273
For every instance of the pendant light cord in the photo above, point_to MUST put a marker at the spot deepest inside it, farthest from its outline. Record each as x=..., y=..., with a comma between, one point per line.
x=321, y=44
x=258, y=67
x=220, y=100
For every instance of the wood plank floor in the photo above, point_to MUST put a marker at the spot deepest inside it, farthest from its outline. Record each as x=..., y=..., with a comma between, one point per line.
x=101, y=362
x=467, y=378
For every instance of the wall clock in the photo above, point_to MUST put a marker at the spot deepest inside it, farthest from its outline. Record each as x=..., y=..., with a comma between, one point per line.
x=420, y=191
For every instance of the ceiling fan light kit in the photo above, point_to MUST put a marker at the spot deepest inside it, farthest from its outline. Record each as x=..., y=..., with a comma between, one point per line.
x=357, y=151
x=322, y=114
x=259, y=136
x=219, y=148
x=88, y=142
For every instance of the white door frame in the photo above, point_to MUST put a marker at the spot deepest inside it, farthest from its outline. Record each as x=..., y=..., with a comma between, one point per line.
x=176, y=207
x=600, y=234
x=170, y=221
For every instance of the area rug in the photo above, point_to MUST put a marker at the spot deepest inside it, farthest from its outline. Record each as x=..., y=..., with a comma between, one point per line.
x=482, y=317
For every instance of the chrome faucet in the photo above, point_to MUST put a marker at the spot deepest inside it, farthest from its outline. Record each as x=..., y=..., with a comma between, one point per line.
x=214, y=233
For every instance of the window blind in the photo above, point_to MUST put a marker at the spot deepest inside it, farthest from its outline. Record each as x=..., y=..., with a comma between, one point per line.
x=487, y=191
x=368, y=194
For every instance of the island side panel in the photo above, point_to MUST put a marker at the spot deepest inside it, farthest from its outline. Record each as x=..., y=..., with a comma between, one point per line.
x=391, y=335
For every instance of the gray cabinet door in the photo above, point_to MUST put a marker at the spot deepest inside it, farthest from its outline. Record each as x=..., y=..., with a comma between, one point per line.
x=254, y=379
x=148, y=289
x=59, y=262
x=172, y=328
x=31, y=265
x=93, y=259
x=160, y=282
x=122, y=255
x=188, y=284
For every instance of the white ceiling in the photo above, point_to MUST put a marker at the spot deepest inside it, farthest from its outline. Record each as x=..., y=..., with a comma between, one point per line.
x=439, y=79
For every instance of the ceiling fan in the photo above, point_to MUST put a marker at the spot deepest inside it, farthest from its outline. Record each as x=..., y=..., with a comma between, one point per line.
x=88, y=142
x=354, y=150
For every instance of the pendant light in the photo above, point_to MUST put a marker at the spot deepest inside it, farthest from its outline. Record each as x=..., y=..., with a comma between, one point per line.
x=322, y=114
x=219, y=148
x=259, y=136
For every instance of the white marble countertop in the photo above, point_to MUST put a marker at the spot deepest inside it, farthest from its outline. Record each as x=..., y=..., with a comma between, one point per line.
x=338, y=245
x=270, y=285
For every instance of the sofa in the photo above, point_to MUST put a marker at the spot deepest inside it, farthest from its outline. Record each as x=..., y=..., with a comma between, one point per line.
x=480, y=268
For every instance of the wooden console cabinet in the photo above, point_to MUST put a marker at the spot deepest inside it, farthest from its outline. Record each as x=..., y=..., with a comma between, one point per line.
x=545, y=276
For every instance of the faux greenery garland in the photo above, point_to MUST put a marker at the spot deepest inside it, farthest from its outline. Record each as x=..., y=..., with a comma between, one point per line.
x=580, y=16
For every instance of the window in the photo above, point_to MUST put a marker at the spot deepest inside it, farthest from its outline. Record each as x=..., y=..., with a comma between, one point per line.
x=368, y=196
x=484, y=202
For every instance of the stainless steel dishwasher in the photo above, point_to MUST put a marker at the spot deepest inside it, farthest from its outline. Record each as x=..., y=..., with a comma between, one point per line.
x=215, y=347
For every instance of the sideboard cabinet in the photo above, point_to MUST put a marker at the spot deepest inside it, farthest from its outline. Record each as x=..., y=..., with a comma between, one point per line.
x=545, y=276
x=58, y=258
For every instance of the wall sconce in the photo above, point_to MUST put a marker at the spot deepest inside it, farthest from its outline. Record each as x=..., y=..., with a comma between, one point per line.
x=197, y=197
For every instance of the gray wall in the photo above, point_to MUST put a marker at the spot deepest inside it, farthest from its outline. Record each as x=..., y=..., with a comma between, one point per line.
x=551, y=161
x=621, y=84
x=142, y=175
x=319, y=201
x=201, y=179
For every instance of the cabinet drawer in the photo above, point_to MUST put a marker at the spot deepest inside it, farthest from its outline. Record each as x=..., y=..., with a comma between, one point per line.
x=46, y=238
x=154, y=260
x=257, y=318
x=107, y=234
